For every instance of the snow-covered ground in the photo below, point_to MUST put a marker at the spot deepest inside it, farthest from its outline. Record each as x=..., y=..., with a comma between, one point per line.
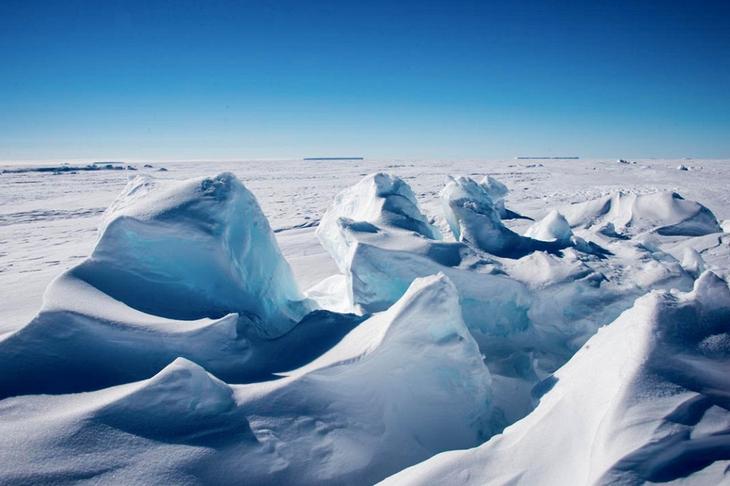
x=339, y=321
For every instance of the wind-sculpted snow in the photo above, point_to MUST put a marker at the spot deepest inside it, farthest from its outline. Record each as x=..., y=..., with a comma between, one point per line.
x=645, y=400
x=474, y=220
x=85, y=340
x=400, y=387
x=497, y=191
x=665, y=213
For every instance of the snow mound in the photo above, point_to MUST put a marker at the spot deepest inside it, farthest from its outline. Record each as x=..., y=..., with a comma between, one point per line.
x=194, y=249
x=85, y=340
x=403, y=385
x=540, y=269
x=665, y=213
x=399, y=387
x=553, y=228
x=182, y=403
x=474, y=220
x=644, y=400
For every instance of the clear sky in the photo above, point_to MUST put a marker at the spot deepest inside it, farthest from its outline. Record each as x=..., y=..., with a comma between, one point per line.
x=231, y=80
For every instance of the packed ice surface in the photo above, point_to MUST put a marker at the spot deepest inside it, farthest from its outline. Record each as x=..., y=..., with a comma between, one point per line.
x=644, y=401
x=276, y=388
x=403, y=385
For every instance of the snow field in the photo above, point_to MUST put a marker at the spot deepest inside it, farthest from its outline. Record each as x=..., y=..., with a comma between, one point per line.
x=188, y=338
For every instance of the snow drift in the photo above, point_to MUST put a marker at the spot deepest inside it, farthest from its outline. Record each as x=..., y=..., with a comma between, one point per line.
x=400, y=387
x=84, y=340
x=645, y=400
x=190, y=270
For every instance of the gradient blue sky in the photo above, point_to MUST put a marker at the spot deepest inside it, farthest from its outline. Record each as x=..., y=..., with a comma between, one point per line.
x=231, y=80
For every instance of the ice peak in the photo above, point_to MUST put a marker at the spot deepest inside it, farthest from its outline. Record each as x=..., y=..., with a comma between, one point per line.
x=214, y=225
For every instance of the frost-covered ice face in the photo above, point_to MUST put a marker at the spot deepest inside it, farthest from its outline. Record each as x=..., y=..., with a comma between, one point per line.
x=200, y=248
x=469, y=209
x=377, y=200
x=692, y=262
x=495, y=189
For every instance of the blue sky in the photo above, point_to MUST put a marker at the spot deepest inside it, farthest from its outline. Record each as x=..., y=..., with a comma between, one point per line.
x=231, y=80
